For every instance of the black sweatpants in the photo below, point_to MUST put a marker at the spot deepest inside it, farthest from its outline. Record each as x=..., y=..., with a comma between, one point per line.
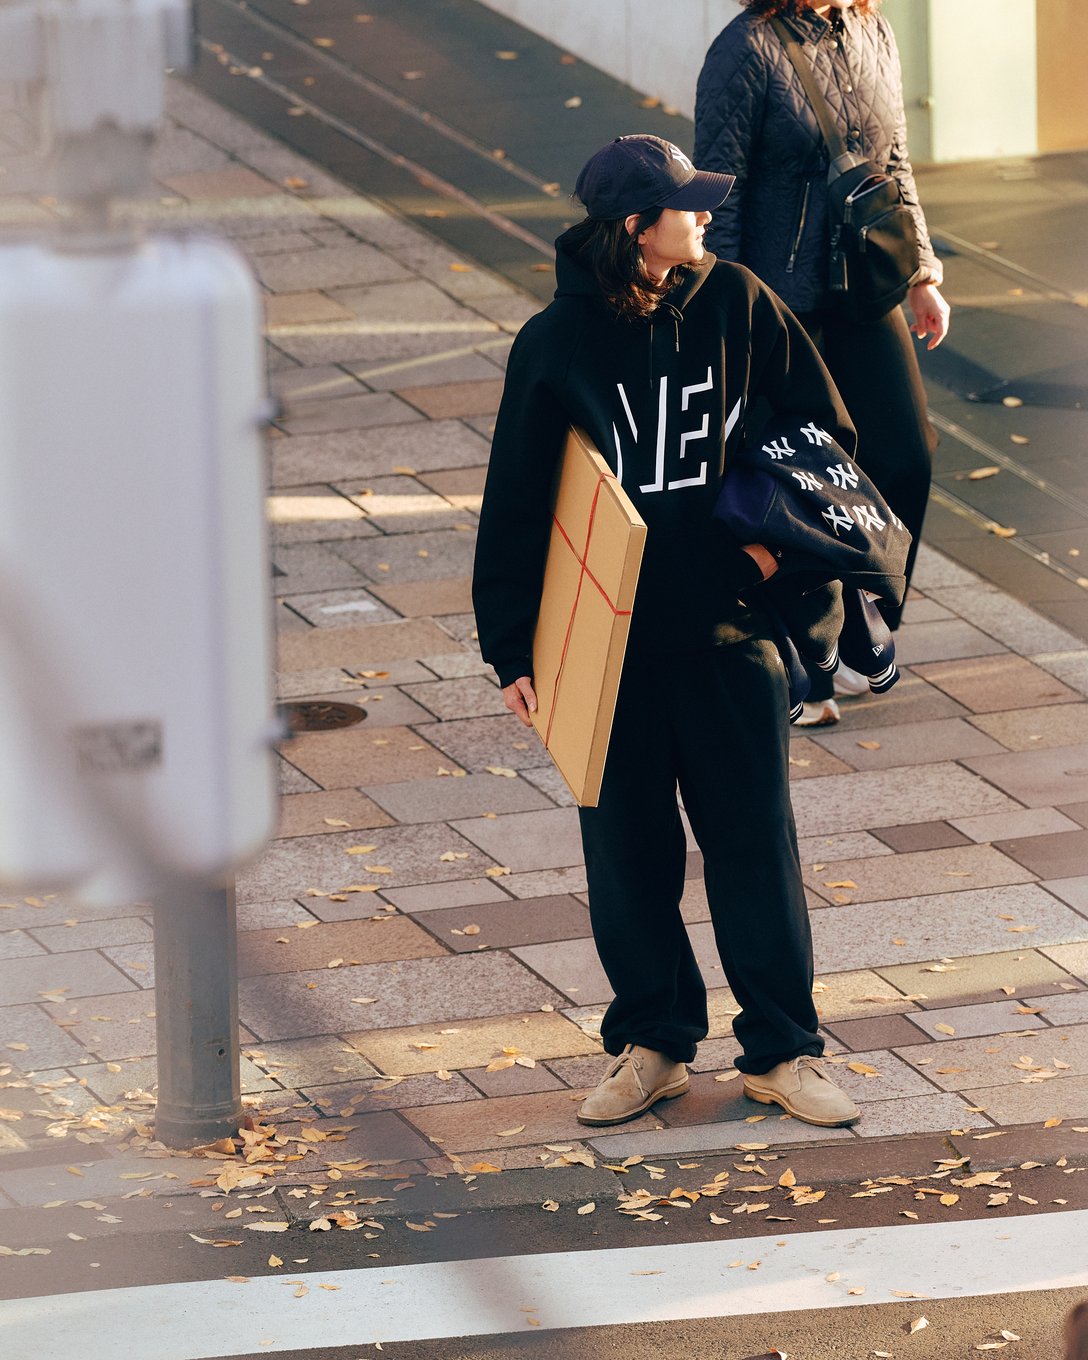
x=875, y=368
x=715, y=724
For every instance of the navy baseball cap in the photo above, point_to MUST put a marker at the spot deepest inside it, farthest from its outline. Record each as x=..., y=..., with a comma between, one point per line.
x=639, y=172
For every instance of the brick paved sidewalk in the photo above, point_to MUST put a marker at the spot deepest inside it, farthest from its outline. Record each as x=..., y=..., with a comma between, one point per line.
x=418, y=979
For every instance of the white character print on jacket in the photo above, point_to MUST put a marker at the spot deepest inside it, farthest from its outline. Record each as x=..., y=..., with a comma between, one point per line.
x=687, y=472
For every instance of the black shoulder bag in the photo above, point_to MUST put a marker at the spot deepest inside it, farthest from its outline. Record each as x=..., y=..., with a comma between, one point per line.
x=874, y=240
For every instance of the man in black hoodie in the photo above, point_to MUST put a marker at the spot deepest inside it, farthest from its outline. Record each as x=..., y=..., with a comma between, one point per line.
x=664, y=356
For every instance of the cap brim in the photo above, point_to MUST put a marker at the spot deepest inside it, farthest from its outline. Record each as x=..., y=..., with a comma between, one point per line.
x=704, y=192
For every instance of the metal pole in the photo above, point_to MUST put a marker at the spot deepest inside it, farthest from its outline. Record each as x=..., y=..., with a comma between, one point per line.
x=196, y=1010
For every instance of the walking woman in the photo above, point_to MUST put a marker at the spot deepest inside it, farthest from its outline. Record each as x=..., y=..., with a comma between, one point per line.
x=754, y=120
x=657, y=351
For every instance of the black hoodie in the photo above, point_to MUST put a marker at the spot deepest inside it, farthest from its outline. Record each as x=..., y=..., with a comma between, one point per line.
x=665, y=401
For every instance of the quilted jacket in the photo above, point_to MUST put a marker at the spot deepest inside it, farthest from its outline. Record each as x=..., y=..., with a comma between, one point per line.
x=753, y=120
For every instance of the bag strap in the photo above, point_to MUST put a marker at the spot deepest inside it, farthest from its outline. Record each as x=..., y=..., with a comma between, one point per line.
x=820, y=107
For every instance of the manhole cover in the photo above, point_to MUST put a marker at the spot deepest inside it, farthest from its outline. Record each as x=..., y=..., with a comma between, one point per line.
x=317, y=716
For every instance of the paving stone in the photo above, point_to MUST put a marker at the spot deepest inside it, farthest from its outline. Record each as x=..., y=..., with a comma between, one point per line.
x=503, y=924
x=318, y=1061
x=908, y=875
x=548, y=1117
x=412, y=992
x=1006, y=619
x=919, y=1114
x=1077, y=811
x=856, y=995
x=978, y=977
x=81, y=973
x=808, y=759
x=290, y=780
x=934, y=569
x=472, y=697
x=356, y=942
x=304, y=684
x=269, y=915
x=47, y=1044
x=378, y=341
x=572, y=967
x=968, y=1022
x=1038, y=778
x=1055, y=856
x=1066, y=1098
x=311, y=566
x=923, y=836
x=443, y=799
x=882, y=1031
x=462, y=627
x=327, y=268
x=1037, y=729
x=464, y=892
x=401, y=504
x=415, y=599
x=546, y=883
x=850, y=845
x=939, y=926
x=715, y=1055
x=994, y=684
x=93, y=934
x=278, y=243
x=968, y=1065
x=406, y=375
x=296, y=385
x=382, y=1093
x=716, y=1137
x=424, y=446
x=514, y=1081
x=1073, y=890
x=917, y=743
x=17, y=944
x=54, y=909
x=413, y=853
x=457, y=664
x=921, y=609
x=476, y=743
x=339, y=609
x=1069, y=1008
x=470, y=1043
x=463, y=487
x=943, y=640
x=923, y=793
x=583, y=1074
x=285, y=311
x=309, y=814
x=1003, y=826
x=352, y=756
x=136, y=961
x=415, y=300
x=528, y=840
x=453, y=400
x=551, y=783
x=38, y=1185
x=911, y=701
x=383, y=1136
x=361, y=412
x=111, y=1027
x=440, y=555
x=390, y=707
x=694, y=907
x=233, y=182
x=1069, y=667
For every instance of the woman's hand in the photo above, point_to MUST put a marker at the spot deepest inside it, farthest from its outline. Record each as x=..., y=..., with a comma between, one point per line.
x=931, y=313
x=520, y=698
x=764, y=559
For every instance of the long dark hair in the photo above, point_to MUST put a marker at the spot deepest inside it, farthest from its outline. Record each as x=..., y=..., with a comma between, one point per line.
x=612, y=255
x=769, y=8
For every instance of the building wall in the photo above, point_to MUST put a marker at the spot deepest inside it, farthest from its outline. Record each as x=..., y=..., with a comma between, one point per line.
x=969, y=66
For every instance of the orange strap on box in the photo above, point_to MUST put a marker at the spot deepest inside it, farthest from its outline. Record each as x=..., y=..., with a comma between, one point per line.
x=584, y=571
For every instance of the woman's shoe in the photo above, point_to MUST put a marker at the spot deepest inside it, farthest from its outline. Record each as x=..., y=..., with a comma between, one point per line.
x=849, y=683
x=821, y=713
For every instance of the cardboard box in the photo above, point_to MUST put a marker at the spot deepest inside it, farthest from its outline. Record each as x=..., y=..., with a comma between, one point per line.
x=585, y=615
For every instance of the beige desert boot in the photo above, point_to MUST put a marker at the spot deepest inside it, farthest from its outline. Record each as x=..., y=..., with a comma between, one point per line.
x=638, y=1078
x=803, y=1089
